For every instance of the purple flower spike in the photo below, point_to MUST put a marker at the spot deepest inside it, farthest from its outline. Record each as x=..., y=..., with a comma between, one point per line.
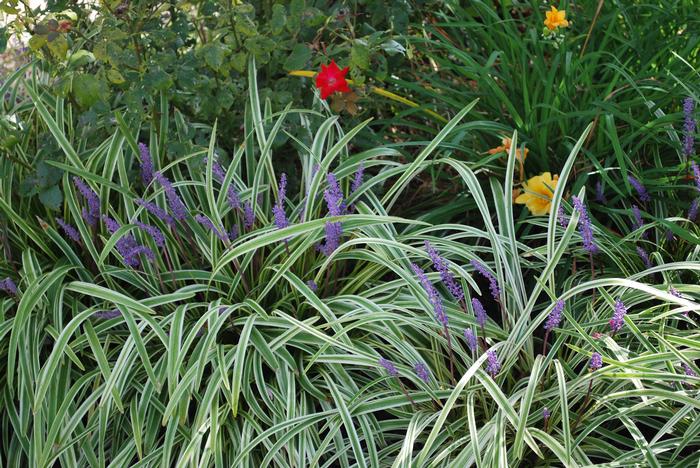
x=334, y=196
x=561, y=217
x=248, y=216
x=207, y=223
x=493, y=365
x=219, y=173
x=596, y=361
x=675, y=293
x=91, y=214
x=156, y=211
x=155, y=233
x=688, y=371
x=174, y=201
x=433, y=296
x=8, y=286
x=278, y=210
x=479, y=312
x=555, y=315
x=599, y=193
x=312, y=285
x=546, y=414
x=644, y=256
x=471, y=338
x=584, y=226
x=696, y=174
x=493, y=283
x=638, y=221
x=233, y=235
x=693, y=210
x=357, y=180
x=389, y=366
x=443, y=267
x=334, y=231
x=618, y=318
x=689, y=126
x=132, y=257
x=422, y=372
x=641, y=189
x=69, y=230
x=146, y=164
x=107, y=314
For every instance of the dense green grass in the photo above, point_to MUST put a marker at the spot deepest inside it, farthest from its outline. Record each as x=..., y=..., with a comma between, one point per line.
x=229, y=358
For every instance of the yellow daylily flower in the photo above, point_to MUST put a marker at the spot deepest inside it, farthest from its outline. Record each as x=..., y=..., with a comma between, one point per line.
x=537, y=193
x=505, y=148
x=555, y=19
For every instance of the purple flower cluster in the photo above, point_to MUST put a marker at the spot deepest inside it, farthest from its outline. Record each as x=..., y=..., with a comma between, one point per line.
x=8, y=286
x=127, y=246
x=69, y=230
x=91, y=213
x=693, y=210
x=312, y=285
x=688, y=126
x=471, y=338
x=618, y=318
x=696, y=174
x=493, y=282
x=596, y=361
x=561, y=217
x=146, y=164
x=174, y=201
x=493, y=365
x=555, y=316
x=234, y=200
x=207, y=223
x=688, y=371
x=441, y=265
x=638, y=221
x=641, y=189
x=155, y=233
x=156, y=211
x=357, y=179
x=433, y=296
x=546, y=414
x=585, y=227
x=422, y=372
x=278, y=210
x=233, y=235
x=479, y=312
x=336, y=207
x=389, y=366
x=644, y=256
x=248, y=216
x=107, y=314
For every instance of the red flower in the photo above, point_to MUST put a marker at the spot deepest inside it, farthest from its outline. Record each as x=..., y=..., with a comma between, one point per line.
x=331, y=79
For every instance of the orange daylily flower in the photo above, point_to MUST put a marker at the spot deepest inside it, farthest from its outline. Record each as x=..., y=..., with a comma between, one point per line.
x=537, y=193
x=555, y=19
x=505, y=148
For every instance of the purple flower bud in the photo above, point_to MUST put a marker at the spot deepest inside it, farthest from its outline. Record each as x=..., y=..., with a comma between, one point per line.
x=174, y=201
x=644, y=256
x=561, y=217
x=479, y=312
x=471, y=338
x=584, y=226
x=156, y=211
x=107, y=314
x=493, y=365
x=155, y=233
x=219, y=173
x=312, y=285
x=8, y=286
x=641, y=189
x=207, y=223
x=433, y=296
x=146, y=164
x=688, y=371
x=248, y=216
x=493, y=283
x=91, y=214
x=596, y=361
x=599, y=193
x=357, y=180
x=696, y=174
x=334, y=231
x=422, y=372
x=689, y=126
x=618, y=318
x=233, y=235
x=546, y=414
x=441, y=265
x=555, y=315
x=638, y=221
x=693, y=210
x=278, y=210
x=389, y=366
x=69, y=230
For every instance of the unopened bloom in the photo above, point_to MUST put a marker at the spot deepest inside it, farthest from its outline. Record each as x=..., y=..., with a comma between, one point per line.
x=584, y=226
x=479, y=312
x=357, y=179
x=493, y=282
x=693, y=210
x=248, y=216
x=644, y=256
x=555, y=19
x=422, y=372
x=433, y=296
x=443, y=267
x=596, y=361
x=107, y=314
x=156, y=211
x=641, y=189
x=91, y=214
x=209, y=224
x=546, y=413
x=537, y=193
x=471, y=338
x=618, y=318
x=389, y=366
x=8, y=286
x=493, y=365
x=555, y=315
x=174, y=201
x=638, y=221
x=312, y=285
x=278, y=210
x=69, y=230
x=689, y=126
x=331, y=79
x=688, y=371
x=505, y=148
x=146, y=164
